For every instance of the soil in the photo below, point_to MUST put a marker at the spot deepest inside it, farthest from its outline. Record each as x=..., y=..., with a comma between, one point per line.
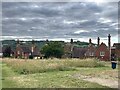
x=110, y=82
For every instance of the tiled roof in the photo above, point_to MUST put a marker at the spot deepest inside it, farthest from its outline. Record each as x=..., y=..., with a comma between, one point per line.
x=79, y=52
x=25, y=48
x=103, y=45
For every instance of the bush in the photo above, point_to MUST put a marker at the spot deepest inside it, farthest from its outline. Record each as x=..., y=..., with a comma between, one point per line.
x=7, y=51
x=118, y=59
x=30, y=57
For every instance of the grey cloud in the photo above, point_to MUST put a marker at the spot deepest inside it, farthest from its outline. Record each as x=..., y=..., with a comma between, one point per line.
x=47, y=19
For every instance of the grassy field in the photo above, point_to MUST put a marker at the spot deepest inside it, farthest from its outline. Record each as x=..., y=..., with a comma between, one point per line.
x=55, y=73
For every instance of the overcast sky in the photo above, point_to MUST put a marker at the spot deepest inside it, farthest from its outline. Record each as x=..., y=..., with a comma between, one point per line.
x=60, y=20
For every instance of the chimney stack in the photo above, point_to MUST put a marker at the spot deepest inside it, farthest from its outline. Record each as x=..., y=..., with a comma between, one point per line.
x=98, y=41
x=18, y=42
x=47, y=41
x=109, y=41
x=90, y=41
x=33, y=42
x=71, y=41
x=33, y=46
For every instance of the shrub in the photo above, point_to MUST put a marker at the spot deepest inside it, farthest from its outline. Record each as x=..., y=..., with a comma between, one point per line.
x=30, y=57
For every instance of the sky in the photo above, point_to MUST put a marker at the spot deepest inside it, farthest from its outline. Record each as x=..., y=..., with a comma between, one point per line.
x=60, y=21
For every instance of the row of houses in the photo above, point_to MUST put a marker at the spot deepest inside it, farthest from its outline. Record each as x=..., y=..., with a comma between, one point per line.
x=101, y=50
x=24, y=51
x=72, y=50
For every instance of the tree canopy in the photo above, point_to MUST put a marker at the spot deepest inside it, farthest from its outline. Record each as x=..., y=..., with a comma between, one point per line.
x=7, y=51
x=53, y=49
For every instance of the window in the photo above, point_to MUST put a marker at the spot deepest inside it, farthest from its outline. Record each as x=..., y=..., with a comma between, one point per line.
x=22, y=53
x=102, y=53
x=91, y=53
x=1, y=54
x=18, y=52
x=30, y=54
x=32, y=49
x=11, y=55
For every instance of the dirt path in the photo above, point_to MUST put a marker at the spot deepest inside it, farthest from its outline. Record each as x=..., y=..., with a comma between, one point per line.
x=112, y=83
x=104, y=82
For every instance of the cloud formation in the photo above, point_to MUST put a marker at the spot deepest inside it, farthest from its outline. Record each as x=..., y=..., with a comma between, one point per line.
x=53, y=20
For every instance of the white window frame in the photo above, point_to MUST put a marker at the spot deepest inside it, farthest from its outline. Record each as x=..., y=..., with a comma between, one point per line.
x=91, y=53
x=18, y=52
x=102, y=53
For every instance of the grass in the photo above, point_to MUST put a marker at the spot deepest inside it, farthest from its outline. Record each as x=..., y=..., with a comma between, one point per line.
x=7, y=73
x=40, y=66
x=53, y=77
x=61, y=79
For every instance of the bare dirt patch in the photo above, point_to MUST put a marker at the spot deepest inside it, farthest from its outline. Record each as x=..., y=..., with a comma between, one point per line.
x=104, y=82
x=110, y=82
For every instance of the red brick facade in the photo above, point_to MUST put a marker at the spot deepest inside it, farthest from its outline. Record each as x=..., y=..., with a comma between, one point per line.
x=22, y=52
x=102, y=52
x=25, y=51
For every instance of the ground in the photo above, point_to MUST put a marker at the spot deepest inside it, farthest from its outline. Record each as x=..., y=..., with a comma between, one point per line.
x=81, y=77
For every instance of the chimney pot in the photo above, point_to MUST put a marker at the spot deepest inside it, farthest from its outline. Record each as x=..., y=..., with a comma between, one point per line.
x=18, y=42
x=71, y=41
x=90, y=41
x=109, y=41
x=33, y=42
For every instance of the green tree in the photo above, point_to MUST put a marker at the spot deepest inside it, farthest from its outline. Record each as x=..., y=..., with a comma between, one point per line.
x=7, y=51
x=53, y=49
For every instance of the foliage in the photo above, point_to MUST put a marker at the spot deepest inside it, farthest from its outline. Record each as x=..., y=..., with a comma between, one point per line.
x=30, y=57
x=118, y=59
x=53, y=49
x=7, y=51
x=40, y=44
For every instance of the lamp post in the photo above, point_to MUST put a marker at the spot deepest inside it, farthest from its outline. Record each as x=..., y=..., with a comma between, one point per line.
x=109, y=46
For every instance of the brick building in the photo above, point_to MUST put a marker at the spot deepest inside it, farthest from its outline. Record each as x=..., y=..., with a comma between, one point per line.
x=24, y=51
x=115, y=49
x=102, y=52
x=91, y=49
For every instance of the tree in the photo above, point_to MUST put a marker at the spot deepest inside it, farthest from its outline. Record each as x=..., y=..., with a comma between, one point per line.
x=7, y=51
x=53, y=49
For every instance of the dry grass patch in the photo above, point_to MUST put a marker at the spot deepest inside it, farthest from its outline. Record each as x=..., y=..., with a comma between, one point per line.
x=23, y=66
